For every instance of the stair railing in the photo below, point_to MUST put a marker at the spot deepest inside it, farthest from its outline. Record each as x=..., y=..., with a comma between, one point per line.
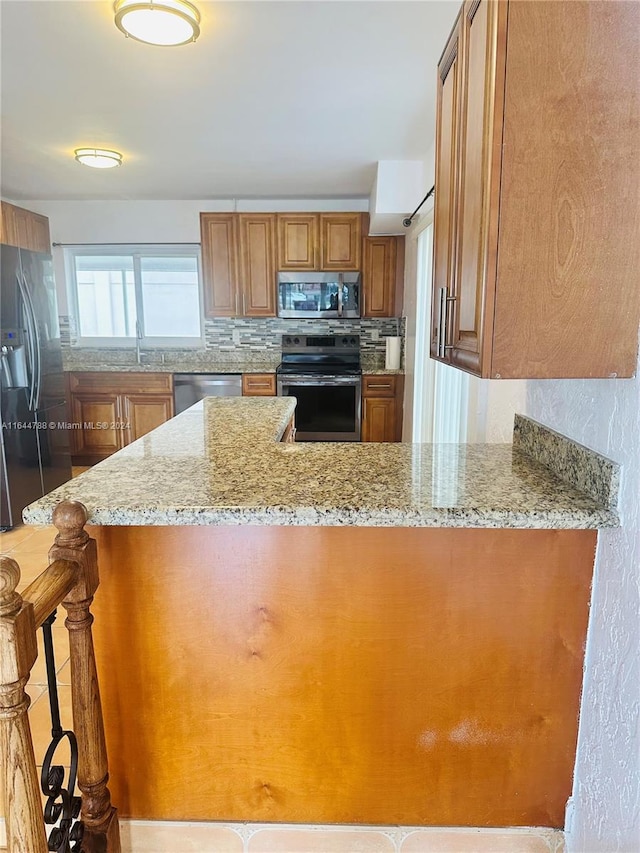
x=71, y=579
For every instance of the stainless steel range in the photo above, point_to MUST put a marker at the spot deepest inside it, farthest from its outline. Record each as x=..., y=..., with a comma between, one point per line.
x=323, y=373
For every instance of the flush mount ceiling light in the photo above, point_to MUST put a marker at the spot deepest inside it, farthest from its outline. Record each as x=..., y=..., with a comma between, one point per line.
x=163, y=22
x=99, y=158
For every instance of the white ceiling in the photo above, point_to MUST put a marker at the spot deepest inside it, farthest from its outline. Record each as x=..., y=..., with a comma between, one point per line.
x=275, y=99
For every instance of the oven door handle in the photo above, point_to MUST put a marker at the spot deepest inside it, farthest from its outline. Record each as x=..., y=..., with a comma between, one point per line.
x=321, y=381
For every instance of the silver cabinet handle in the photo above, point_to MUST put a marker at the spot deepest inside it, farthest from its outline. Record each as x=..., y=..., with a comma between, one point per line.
x=244, y=306
x=379, y=385
x=442, y=322
x=443, y=346
x=236, y=304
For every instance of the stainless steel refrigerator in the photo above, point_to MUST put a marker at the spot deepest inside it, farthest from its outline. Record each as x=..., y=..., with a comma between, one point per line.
x=34, y=453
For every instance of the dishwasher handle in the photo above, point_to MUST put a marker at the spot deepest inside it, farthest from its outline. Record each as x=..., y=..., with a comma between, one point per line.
x=190, y=388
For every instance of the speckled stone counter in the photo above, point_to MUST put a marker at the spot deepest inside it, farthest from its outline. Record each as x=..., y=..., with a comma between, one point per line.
x=221, y=463
x=197, y=361
x=206, y=361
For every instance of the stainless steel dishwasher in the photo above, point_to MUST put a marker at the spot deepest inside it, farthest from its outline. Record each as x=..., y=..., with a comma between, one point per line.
x=190, y=388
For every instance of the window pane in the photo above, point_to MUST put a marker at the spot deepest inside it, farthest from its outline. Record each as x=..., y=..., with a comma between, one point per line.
x=170, y=297
x=106, y=296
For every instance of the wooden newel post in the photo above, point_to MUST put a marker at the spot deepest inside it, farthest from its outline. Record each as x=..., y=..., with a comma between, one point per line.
x=19, y=777
x=99, y=816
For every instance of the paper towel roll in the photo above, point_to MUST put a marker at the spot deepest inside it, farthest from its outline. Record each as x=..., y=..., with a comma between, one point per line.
x=392, y=359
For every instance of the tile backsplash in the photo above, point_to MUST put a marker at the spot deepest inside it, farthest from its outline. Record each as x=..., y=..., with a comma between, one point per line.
x=266, y=334
x=258, y=335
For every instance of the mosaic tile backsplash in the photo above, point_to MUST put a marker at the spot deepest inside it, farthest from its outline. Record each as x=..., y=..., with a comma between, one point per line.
x=258, y=335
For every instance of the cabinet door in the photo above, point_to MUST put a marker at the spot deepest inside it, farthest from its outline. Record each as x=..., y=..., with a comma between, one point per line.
x=258, y=385
x=257, y=264
x=382, y=407
x=379, y=419
x=340, y=240
x=483, y=37
x=144, y=412
x=97, y=426
x=445, y=209
x=219, y=235
x=22, y=227
x=379, y=274
x=7, y=225
x=298, y=241
x=39, y=239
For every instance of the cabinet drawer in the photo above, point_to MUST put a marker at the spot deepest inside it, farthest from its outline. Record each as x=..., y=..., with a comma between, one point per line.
x=134, y=383
x=379, y=386
x=258, y=385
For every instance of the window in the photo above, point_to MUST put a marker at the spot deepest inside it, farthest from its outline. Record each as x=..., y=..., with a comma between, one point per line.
x=149, y=292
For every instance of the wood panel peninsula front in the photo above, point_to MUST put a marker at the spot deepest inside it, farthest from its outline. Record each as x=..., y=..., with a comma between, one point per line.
x=341, y=633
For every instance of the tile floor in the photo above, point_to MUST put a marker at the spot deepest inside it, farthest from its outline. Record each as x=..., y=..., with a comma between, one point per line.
x=29, y=547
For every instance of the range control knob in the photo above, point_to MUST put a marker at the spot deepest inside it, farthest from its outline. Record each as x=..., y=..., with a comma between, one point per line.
x=345, y=341
x=296, y=340
x=287, y=340
x=353, y=341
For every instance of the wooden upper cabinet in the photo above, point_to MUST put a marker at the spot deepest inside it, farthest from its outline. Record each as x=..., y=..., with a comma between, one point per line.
x=340, y=240
x=383, y=276
x=319, y=241
x=535, y=262
x=39, y=234
x=25, y=229
x=219, y=236
x=238, y=264
x=483, y=34
x=298, y=241
x=257, y=264
x=444, y=215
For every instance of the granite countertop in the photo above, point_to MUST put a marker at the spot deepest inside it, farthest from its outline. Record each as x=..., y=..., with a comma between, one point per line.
x=205, y=361
x=197, y=361
x=221, y=462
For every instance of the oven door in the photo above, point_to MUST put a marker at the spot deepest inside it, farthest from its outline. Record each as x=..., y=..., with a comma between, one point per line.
x=328, y=407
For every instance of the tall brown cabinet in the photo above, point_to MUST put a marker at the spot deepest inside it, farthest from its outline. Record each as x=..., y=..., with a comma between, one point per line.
x=536, y=250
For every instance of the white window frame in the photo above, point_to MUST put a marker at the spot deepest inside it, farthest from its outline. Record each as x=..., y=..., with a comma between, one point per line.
x=136, y=251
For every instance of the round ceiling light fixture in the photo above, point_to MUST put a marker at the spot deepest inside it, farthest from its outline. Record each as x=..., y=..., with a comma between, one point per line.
x=162, y=22
x=98, y=158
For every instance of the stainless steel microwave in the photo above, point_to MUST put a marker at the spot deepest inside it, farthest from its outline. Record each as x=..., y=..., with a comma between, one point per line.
x=319, y=294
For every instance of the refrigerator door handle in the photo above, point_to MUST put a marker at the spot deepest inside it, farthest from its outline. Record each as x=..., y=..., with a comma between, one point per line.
x=37, y=347
x=31, y=356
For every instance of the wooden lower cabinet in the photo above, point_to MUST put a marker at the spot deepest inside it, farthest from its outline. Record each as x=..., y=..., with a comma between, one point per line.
x=98, y=426
x=411, y=676
x=258, y=384
x=110, y=410
x=144, y=412
x=382, y=407
x=289, y=434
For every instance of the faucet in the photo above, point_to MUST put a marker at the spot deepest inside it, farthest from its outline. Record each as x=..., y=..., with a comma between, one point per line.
x=139, y=354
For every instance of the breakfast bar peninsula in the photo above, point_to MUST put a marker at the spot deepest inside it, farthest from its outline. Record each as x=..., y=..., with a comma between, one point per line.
x=341, y=633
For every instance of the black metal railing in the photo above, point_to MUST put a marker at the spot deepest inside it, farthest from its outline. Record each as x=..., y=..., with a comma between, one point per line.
x=62, y=807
